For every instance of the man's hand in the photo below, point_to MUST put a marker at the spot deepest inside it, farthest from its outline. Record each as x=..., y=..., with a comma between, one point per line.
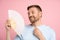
x=8, y=27
x=38, y=34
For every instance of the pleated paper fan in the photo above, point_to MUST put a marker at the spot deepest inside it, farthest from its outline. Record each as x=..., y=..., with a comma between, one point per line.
x=17, y=21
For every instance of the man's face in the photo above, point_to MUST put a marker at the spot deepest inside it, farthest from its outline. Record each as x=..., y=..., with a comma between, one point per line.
x=34, y=14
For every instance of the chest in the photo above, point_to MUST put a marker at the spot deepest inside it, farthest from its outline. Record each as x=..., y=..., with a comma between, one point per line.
x=28, y=35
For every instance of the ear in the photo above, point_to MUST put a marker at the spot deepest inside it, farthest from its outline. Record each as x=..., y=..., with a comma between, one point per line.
x=40, y=14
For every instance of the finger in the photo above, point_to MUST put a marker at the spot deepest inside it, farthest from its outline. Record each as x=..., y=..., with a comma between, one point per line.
x=8, y=23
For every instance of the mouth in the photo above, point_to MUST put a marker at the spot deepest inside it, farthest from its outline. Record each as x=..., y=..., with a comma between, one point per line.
x=31, y=18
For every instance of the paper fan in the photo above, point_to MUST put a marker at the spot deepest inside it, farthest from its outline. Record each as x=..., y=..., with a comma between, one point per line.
x=17, y=21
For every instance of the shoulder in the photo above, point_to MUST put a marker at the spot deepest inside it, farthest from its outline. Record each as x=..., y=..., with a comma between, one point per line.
x=47, y=31
x=47, y=28
x=50, y=29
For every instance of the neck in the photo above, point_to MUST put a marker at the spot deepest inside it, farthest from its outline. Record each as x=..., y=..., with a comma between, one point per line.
x=37, y=23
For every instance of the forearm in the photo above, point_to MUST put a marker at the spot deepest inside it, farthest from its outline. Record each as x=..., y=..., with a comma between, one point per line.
x=7, y=35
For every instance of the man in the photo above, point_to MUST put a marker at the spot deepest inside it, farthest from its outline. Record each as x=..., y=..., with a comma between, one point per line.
x=36, y=30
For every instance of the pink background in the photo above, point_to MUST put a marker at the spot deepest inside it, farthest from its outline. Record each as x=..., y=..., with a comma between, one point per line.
x=51, y=14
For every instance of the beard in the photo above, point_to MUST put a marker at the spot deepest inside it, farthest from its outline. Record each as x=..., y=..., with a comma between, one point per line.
x=33, y=19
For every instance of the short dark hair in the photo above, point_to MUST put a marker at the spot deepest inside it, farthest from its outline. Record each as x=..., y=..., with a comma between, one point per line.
x=37, y=6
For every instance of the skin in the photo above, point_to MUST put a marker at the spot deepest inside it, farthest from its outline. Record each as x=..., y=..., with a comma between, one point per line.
x=8, y=27
x=35, y=18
